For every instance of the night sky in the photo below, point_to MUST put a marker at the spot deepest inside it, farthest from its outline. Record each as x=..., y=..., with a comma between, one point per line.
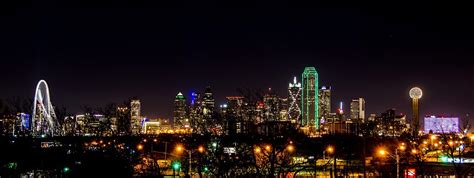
x=95, y=53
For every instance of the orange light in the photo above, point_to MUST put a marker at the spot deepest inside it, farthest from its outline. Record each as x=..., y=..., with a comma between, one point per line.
x=330, y=149
x=139, y=147
x=402, y=147
x=258, y=150
x=201, y=149
x=290, y=148
x=179, y=148
x=382, y=152
x=155, y=140
x=268, y=147
x=414, y=151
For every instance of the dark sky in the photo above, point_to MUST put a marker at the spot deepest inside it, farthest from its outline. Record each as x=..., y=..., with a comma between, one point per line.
x=94, y=53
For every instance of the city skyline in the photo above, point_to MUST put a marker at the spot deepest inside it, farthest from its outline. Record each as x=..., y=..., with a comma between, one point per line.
x=380, y=58
x=154, y=114
x=236, y=89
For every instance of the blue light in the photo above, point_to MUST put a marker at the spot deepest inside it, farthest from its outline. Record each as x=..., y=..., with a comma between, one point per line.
x=193, y=97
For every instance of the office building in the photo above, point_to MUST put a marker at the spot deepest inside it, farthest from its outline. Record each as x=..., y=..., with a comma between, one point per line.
x=310, y=100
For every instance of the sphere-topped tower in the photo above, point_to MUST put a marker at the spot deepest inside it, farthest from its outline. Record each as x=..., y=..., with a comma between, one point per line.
x=415, y=95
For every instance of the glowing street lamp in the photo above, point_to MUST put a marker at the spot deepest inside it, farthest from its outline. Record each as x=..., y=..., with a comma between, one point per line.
x=258, y=150
x=330, y=149
x=179, y=148
x=139, y=147
x=382, y=152
x=201, y=149
x=290, y=148
x=268, y=147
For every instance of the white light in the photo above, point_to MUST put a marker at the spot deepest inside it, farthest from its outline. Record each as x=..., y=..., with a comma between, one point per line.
x=416, y=93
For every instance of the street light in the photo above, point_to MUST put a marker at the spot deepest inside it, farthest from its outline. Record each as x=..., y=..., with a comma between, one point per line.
x=268, y=147
x=382, y=153
x=290, y=148
x=330, y=150
x=258, y=150
x=139, y=147
x=180, y=149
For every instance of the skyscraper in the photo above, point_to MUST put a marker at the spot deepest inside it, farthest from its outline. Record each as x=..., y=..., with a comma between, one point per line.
x=179, y=114
x=271, y=106
x=310, y=100
x=358, y=109
x=208, y=102
x=135, y=113
x=324, y=101
x=294, y=100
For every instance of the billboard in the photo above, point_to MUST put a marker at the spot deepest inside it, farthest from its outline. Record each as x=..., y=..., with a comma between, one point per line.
x=441, y=124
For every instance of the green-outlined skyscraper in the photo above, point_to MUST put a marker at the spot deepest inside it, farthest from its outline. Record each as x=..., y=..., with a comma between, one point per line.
x=310, y=99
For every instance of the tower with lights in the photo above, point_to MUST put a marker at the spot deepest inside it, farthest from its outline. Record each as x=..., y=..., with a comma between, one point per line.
x=310, y=99
x=135, y=113
x=294, y=100
x=324, y=102
x=415, y=95
x=179, y=114
x=358, y=110
x=208, y=102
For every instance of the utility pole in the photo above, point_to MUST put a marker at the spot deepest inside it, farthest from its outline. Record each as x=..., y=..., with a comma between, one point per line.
x=397, y=157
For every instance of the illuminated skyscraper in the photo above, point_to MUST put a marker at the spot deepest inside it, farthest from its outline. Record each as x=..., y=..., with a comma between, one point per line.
x=294, y=100
x=324, y=102
x=358, y=109
x=271, y=106
x=310, y=100
x=208, y=102
x=179, y=116
x=135, y=113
